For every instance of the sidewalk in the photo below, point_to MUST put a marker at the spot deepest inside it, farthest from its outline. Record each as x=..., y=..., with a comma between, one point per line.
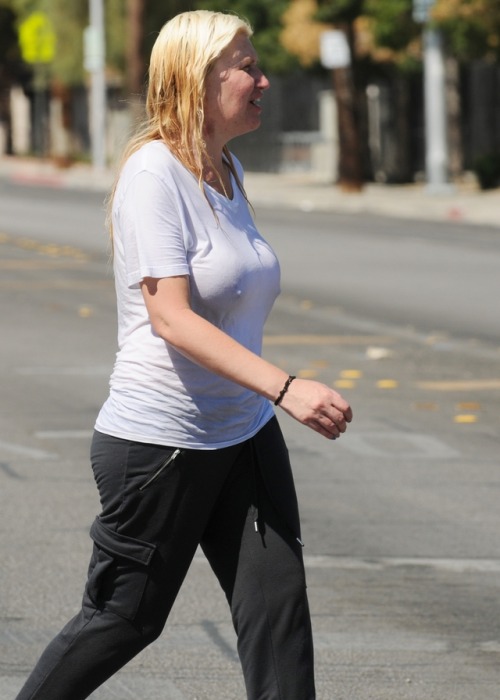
x=465, y=203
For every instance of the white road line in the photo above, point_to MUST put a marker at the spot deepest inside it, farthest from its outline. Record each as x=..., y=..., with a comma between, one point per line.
x=64, y=434
x=325, y=561
x=98, y=371
x=398, y=443
x=26, y=451
x=438, y=564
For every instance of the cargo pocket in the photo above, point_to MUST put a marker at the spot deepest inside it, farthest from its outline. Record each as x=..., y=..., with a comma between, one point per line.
x=118, y=570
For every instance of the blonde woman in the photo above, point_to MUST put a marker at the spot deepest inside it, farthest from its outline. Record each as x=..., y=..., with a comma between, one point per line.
x=187, y=450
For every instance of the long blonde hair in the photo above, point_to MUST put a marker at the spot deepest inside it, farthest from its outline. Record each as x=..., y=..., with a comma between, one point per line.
x=183, y=54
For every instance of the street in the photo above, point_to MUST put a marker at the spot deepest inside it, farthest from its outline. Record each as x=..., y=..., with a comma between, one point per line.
x=400, y=516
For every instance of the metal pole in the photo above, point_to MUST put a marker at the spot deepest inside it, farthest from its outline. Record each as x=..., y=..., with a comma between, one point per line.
x=39, y=110
x=98, y=86
x=435, y=112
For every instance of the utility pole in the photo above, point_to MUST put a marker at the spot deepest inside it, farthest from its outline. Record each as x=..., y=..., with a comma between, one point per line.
x=436, y=143
x=435, y=111
x=95, y=51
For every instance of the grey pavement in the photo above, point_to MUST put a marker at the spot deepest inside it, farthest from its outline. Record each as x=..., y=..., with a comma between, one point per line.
x=403, y=608
x=463, y=202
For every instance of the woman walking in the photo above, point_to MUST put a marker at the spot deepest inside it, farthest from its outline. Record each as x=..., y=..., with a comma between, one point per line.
x=187, y=450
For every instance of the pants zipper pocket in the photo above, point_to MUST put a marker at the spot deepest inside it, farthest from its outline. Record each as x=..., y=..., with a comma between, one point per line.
x=160, y=469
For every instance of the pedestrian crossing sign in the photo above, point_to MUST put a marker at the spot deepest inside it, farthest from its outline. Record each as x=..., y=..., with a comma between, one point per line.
x=37, y=39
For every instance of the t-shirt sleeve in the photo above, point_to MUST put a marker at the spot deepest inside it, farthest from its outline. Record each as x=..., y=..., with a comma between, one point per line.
x=150, y=230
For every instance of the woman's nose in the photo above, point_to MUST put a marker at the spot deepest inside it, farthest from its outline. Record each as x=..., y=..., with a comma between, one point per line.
x=262, y=82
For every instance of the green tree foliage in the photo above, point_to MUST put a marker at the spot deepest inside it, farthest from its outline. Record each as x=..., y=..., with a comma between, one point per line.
x=157, y=12
x=265, y=18
x=472, y=27
x=339, y=11
x=20, y=7
x=384, y=31
x=68, y=20
x=115, y=34
x=9, y=49
x=392, y=23
x=396, y=36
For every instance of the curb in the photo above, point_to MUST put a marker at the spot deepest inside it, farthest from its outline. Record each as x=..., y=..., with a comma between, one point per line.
x=463, y=204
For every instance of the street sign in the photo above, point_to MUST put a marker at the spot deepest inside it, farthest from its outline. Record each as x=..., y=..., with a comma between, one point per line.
x=93, y=49
x=421, y=10
x=334, y=49
x=37, y=39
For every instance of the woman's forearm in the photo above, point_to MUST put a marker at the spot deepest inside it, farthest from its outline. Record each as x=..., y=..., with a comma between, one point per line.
x=208, y=346
x=311, y=403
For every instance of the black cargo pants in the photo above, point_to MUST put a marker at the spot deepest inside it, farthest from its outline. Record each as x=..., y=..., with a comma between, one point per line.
x=158, y=505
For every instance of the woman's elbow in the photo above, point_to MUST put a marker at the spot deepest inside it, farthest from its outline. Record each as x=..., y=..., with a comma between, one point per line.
x=163, y=329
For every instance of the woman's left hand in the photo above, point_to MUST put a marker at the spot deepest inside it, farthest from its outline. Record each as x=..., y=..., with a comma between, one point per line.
x=316, y=405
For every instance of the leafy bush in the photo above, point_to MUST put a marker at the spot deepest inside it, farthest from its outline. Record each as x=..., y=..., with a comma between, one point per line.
x=487, y=169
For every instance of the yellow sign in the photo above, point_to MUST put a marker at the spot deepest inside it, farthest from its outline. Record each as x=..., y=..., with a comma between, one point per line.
x=37, y=39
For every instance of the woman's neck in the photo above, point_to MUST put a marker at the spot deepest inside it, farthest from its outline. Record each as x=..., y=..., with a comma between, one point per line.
x=218, y=175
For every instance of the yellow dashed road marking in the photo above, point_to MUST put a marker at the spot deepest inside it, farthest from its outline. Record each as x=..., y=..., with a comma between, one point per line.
x=468, y=406
x=347, y=379
x=387, y=384
x=351, y=374
x=344, y=384
x=26, y=243
x=49, y=249
x=85, y=311
x=462, y=385
x=307, y=373
x=321, y=364
x=465, y=418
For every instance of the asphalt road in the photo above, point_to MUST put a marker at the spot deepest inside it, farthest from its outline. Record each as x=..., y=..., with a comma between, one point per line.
x=436, y=277
x=400, y=516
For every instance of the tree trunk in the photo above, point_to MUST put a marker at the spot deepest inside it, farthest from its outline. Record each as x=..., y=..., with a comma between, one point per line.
x=5, y=112
x=136, y=67
x=402, y=123
x=454, y=111
x=350, y=167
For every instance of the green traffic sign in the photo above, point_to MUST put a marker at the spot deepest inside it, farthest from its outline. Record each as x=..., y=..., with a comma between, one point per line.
x=37, y=39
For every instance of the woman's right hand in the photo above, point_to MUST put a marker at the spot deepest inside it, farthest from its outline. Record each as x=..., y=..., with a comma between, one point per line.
x=316, y=405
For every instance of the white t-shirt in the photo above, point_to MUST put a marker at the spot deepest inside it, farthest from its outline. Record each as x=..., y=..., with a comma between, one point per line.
x=163, y=226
